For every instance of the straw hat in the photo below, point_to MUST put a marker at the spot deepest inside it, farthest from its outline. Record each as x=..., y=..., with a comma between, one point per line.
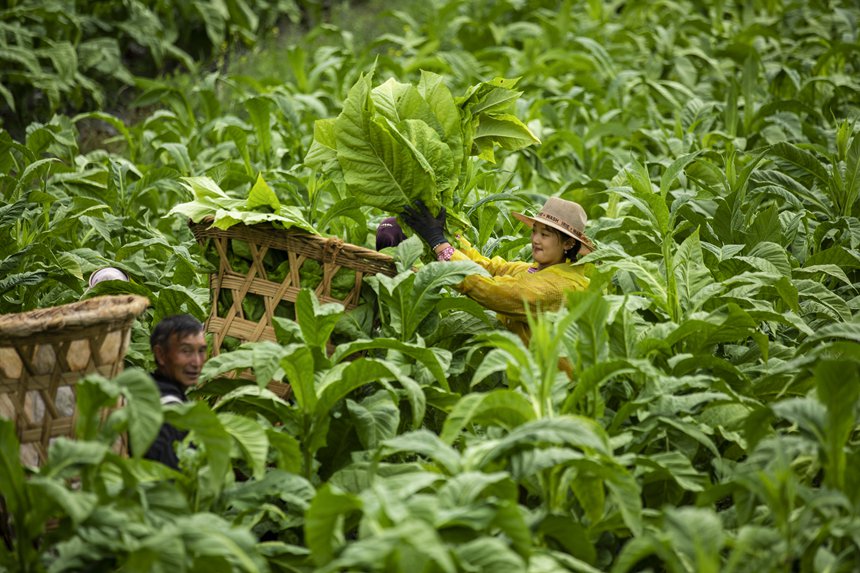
x=565, y=216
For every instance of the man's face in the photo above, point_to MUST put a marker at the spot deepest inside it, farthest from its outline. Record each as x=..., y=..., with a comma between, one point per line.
x=182, y=358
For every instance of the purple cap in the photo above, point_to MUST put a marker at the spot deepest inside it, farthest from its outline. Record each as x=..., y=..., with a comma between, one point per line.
x=389, y=233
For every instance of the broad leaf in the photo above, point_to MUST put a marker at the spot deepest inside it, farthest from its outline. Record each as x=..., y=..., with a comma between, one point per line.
x=505, y=408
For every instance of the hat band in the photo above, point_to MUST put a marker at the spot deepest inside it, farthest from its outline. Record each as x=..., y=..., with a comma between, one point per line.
x=564, y=225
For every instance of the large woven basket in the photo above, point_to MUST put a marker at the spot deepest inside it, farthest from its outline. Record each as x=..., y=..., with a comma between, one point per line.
x=295, y=248
x=44, y=352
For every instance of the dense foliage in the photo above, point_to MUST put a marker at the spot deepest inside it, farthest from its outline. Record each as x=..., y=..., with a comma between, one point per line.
x=65, y=54
x=711, y=422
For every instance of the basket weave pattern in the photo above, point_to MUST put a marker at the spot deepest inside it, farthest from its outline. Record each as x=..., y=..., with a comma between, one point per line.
x=44, y=352
x=299, y=247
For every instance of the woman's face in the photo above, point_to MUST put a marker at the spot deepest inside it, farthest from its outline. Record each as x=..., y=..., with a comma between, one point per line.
x=548, y=245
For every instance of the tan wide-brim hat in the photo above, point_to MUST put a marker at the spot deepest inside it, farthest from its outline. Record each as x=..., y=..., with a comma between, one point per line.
x=565, y=216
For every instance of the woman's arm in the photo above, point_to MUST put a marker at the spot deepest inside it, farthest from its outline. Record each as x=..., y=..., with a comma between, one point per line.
x=513, y=294
x=496, y=266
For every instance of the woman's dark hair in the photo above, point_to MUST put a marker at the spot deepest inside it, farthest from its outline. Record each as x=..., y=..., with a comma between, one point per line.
x=571, y=253
x=180, y=324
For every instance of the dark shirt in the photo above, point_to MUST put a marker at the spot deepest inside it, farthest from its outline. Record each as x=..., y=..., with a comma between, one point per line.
x=162, y=449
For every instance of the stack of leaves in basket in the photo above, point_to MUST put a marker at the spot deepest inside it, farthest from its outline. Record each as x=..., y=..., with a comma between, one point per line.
x=390, y=145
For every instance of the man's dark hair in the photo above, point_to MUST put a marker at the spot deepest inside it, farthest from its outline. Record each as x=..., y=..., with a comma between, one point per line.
x=179, y=324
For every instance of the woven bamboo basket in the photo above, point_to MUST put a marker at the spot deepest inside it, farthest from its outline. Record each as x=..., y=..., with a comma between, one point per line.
x=294, y=249
x=44, y=352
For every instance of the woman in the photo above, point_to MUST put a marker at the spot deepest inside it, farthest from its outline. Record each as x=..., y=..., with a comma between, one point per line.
x=517, y=288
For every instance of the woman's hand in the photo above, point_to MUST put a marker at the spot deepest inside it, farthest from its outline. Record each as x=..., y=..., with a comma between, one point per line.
x=428, y=227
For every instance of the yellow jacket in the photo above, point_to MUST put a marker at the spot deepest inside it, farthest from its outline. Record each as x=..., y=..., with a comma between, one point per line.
x=512, y=289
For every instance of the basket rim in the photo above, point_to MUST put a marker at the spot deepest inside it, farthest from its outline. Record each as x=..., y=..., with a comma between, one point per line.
x=204, y=229
x=74, y=315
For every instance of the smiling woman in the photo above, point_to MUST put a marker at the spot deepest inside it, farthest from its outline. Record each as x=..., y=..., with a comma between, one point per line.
x=517, y=288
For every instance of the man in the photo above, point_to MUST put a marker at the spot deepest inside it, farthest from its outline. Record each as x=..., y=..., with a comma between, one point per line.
x=179, y=348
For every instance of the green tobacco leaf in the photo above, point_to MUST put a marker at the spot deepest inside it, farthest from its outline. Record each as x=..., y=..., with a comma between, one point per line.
x=624, y=490
x=593, y=377
x=209, y=538
x=691, y=274
x=376, y=418
x=426, y=291
x=239, y=359
x=78, y=505
x=408, y=252
x=243, y=15
x=590, y=312
x=468, y=488
x=348, y=207
x=177, y=299
x=504, y=130
x=570, y=534
x=851, y=177
x=265, y=359
x=298, y=365
x=490, y=554
x=674, y=466
x=316, y=321
x=650, y=203
x=495, y=96
x=848, y=331
x=768, y=257
x=699, y=534
x=287, y=216
x=839, y=390
x=7, y=95
x=65, y=453
x=505, y=408
x=437, y=95
x=260, y=111
x=731, y=324
x=416, y=537
x=289, y=452
x=27, y=278
x=425, y=443
x=324, y=147
x=143, y=404
x=346, y=377
x=674, y=170
x=251, y=438
x=215, y=17
x=591, y=494
x=377, y=169
x=802, y=160
x=431, y=154
x=649, y=279
x=178, y=152
x=251, y=399
x=398, y=102
x=261, y=195
x=816, y=299
x=326, y=512
x=436, y=360
x=571, y=431
x=11, y=471
x=199, y=419
x=92, y=394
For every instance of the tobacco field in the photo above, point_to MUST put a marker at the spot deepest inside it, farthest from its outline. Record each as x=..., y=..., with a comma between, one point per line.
x=711, y=420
